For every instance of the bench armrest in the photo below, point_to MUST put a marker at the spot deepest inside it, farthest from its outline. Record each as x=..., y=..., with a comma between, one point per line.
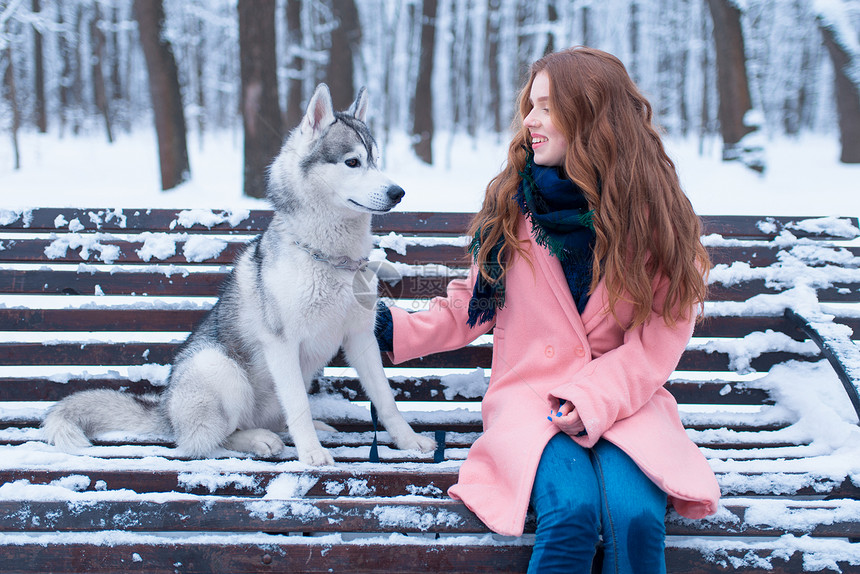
x=836, y=345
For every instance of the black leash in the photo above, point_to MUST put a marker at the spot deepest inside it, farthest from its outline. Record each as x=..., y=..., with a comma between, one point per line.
x=438, y=455
x=374, y=448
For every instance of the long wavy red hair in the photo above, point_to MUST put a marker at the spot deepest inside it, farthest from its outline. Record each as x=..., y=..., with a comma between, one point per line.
x=645, y=225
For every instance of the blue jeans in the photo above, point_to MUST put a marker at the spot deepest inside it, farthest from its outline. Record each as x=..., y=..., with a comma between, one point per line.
x=581, y=495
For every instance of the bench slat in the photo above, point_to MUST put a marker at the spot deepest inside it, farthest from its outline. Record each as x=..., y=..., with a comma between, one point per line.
x=114, y=251
x=184, y=320
x=226, y=556
x=167, y=220
x=465, y=426
x=107, y=249
x=410, y=389
x=135, y=320
x=479, y=356
x=453, y=440
x=64, y=354
x=401, y=556
x=250, y=515
x=130, y=219
x=750, y=227
x=104, y=251
x=332, y=482
x=177, y=283
x=165, y=283
x=378, y=481
x=765, y=557
x=217, y=514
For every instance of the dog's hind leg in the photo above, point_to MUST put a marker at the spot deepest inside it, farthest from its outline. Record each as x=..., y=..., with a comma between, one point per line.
x=261, y=442
x=207, y=398
x=362, y=352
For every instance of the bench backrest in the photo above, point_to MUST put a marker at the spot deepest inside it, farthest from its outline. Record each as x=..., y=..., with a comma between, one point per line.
x=148, y=276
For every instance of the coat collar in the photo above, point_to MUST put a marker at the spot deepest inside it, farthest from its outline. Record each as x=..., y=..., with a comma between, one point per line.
x=551, y=267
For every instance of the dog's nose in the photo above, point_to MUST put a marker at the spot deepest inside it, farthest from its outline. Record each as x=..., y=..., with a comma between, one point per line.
x=395, y=193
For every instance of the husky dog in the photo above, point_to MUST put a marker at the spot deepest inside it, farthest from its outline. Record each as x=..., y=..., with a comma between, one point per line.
x=283, y=313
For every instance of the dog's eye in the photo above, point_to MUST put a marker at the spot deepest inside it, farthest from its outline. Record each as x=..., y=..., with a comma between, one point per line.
x=352, y=162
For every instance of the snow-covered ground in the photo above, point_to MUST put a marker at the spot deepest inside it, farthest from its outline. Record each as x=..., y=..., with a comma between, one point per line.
x=804, y=176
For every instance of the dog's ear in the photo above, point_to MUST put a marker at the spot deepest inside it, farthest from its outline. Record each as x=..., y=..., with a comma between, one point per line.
x=358, y=109
x=320, y=113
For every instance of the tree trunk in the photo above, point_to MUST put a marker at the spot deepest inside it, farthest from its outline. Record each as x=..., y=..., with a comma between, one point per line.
x=345, y=43
x=12, y=98
x=66, y=71
x=847, y=90
x=294, y=111
x=633, y=32
x=97, y=45
x=422, y=123
x=705, y=118
x=199, y=61
x=39, y=75
x=261, y=114
x=77, y=93
x=466, y=65
x=552, y=19
x=115, y=78
x=118, y=97
x=164, y=90
x=586, y=26
x=493, y=34
x=732, y=84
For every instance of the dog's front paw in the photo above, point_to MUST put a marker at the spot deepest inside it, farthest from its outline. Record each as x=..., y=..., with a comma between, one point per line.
x=416, y=441
x=316, y=457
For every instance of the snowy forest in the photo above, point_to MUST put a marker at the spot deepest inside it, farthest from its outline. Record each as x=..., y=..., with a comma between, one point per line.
x=734, y=69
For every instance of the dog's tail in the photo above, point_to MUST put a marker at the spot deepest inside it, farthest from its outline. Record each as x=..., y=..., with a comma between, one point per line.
x=74, y=420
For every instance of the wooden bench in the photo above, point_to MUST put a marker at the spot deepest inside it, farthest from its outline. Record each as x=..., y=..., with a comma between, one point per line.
x=101, y=299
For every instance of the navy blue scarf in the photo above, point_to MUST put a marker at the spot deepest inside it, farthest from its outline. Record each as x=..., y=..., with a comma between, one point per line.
x=561, y=222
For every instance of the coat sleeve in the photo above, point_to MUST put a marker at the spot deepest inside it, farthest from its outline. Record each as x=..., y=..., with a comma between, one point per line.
x=442, y=327
x=619, y=382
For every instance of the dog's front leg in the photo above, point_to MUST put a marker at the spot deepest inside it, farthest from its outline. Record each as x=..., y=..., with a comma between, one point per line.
x=284, y=366
x=362, y=352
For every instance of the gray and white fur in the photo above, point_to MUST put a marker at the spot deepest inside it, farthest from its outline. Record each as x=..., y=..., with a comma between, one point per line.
x=243, y=374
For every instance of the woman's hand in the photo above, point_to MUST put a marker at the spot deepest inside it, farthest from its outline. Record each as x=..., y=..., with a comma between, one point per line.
x=567, y=419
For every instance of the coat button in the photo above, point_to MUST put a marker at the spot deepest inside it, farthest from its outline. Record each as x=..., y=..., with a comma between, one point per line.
x=579, y=352
x=549, y=351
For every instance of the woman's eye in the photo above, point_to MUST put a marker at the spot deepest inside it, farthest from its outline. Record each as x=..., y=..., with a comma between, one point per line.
x=352, y=162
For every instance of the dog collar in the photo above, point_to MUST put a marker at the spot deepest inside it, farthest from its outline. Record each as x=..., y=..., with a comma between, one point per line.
x=344, y=262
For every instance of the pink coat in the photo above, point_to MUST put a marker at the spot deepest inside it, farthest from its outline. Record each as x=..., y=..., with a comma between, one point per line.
x=543, y=349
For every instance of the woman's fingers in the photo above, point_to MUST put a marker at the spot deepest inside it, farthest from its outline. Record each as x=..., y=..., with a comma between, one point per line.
x=568, y=419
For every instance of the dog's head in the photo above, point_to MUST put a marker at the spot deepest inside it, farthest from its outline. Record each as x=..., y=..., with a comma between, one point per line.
x=333, y=156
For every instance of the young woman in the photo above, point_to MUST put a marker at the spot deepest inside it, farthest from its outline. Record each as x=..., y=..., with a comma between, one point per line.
x=588, y=268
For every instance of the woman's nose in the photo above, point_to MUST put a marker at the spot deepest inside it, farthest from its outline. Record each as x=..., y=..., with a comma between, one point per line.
x=529, y=121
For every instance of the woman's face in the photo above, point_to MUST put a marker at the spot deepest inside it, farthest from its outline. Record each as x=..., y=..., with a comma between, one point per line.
x=549, y=144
